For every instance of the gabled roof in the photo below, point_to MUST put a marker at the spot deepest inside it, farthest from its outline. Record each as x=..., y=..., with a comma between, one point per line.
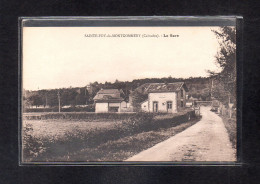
x=108, y=95
x=162, y=87
x=108, y=91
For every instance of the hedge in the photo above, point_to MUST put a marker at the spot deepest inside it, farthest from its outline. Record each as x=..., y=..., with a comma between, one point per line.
x=89, y=116
x=89, y=108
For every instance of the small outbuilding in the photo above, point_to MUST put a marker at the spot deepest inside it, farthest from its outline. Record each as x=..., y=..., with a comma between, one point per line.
x=109, y=100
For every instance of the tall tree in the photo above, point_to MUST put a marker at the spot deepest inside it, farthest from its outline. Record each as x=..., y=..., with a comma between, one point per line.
x=137, y=99
x=226, y=61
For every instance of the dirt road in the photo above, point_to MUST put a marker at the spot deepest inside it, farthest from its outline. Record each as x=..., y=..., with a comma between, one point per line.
x=207, y=140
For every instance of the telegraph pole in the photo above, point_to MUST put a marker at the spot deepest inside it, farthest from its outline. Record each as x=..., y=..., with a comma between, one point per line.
x=86, y=95
x=59, y=99
x=46, y=101
x=211, y=88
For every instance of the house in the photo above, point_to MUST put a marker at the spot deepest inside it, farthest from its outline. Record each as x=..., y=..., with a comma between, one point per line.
x=110, y=100
x=164, y=97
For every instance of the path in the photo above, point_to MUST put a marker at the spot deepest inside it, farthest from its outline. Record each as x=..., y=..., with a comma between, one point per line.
x=207, y=140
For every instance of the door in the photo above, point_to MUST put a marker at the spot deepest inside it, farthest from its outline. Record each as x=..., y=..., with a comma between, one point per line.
x=155, y=106
x=169, y=106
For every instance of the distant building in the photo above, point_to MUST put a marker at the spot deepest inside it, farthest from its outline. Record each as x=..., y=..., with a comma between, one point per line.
x=110, y=100
x=164, y=97
x=191, y=102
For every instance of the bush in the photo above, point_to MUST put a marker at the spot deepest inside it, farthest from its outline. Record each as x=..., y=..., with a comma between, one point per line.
x=32, y=146
x=107, y=116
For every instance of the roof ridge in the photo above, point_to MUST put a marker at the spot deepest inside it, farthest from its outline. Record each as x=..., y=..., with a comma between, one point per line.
x=109, y=89
x=166, y=87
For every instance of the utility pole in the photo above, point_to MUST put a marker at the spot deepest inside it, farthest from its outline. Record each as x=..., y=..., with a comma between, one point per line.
x=86, y=95
x=211, y=88
x=59, y=99
x=46, y=100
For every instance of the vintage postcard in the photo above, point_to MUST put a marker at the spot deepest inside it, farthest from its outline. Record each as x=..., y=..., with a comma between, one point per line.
x=128, y=93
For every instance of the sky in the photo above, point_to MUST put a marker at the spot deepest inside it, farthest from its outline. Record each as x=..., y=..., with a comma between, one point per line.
x=57, y=57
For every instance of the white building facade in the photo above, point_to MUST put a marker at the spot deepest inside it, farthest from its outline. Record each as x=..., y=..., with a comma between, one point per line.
x=165, y=98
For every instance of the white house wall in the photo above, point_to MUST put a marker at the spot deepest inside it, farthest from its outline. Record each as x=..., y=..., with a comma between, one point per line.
x=101, y=107
x=162, y=99
x=123, y=104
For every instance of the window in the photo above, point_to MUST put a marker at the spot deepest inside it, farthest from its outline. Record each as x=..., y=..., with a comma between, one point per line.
x=181, y=93
x=169, y=105
x=181, y=103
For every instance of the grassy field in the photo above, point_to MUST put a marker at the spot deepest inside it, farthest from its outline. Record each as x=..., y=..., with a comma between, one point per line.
x=79, y=140
x=123, y=148
x=56, y=129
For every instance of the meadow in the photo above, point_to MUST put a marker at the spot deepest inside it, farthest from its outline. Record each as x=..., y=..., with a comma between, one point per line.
x=97, y=137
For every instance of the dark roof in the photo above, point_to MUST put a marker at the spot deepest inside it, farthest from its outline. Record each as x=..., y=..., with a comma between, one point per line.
x=143, y=88
x=108, y=91
x=109, y=95
x=161, y=87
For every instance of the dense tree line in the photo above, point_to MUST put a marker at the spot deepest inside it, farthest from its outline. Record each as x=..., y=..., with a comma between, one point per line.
x=198, y=88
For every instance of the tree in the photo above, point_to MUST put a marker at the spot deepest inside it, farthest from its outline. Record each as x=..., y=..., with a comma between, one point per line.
x=36, y=100
x=68, y=97
x=53, y=98
x=226, y=61
x=82, y=97
x=26, y=103
x=137, y=99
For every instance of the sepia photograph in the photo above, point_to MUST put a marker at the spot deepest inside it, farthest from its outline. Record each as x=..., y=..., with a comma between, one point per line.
x=128, y=94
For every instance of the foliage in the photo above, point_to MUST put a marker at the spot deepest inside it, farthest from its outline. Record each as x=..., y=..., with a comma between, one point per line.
x=32, y=146
x=226, y=60
x=89, y=108
x=35, y=100
x=83, y=115
x=137, y=99
x=197, y=87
